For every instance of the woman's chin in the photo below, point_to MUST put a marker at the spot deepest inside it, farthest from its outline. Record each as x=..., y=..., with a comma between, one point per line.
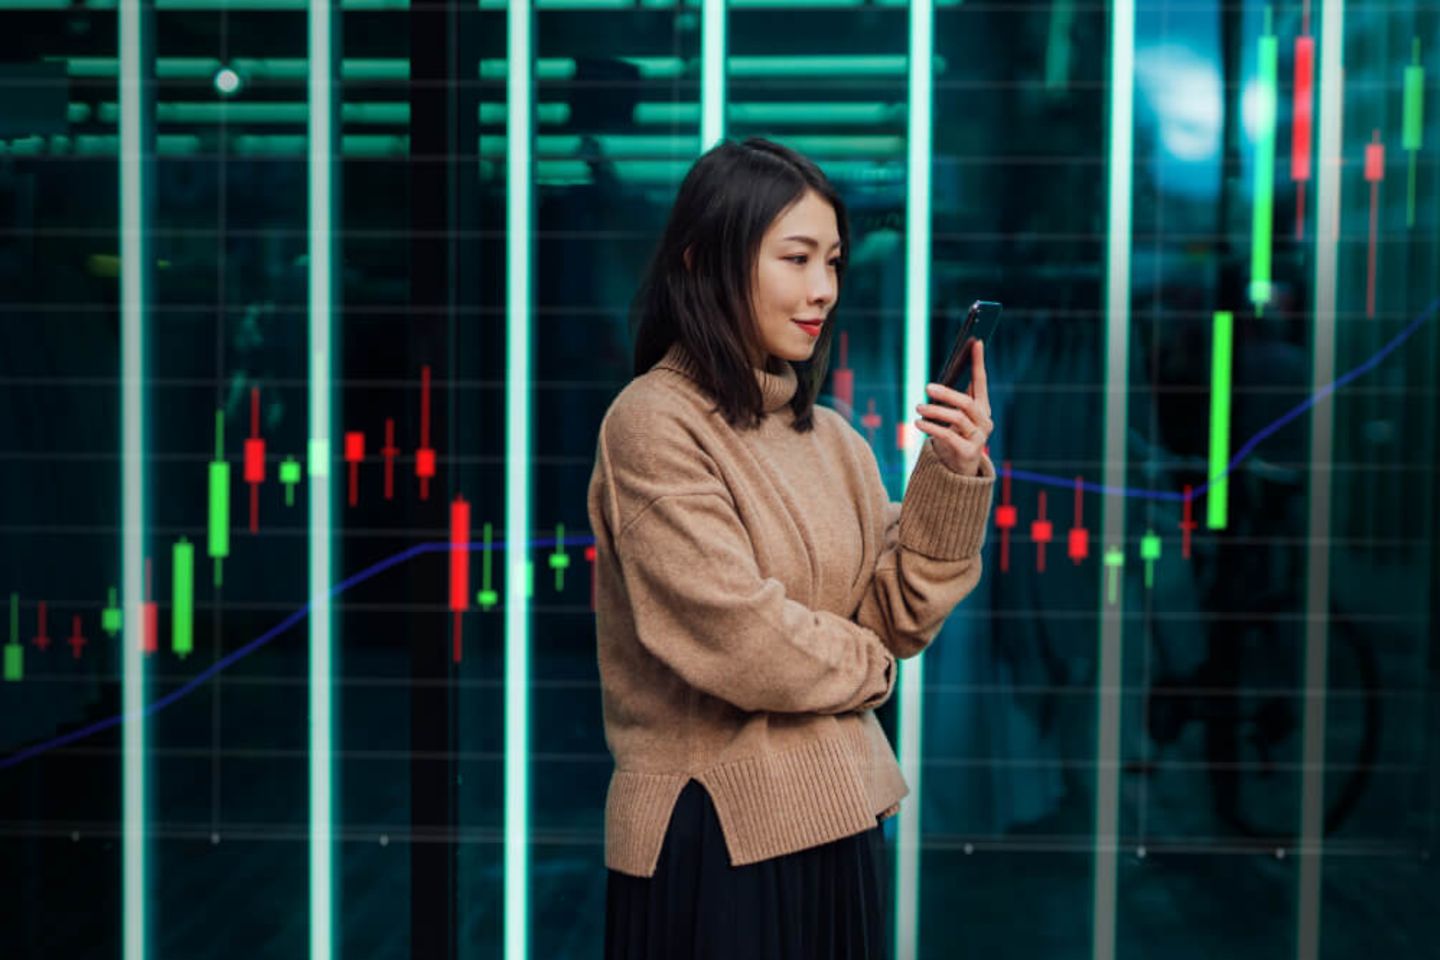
x=797, y=354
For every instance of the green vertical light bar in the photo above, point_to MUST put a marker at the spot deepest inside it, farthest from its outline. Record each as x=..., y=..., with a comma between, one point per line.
x=137, y=144
x=1329, y=103
x=920, y=105
x=713, y=50
x=218, y=539
x=1217, y=501
x=1108, y=702
x=182, y=597
x=1263, y=211
x=324, y=139
x=1414, y=110
x=520, y=133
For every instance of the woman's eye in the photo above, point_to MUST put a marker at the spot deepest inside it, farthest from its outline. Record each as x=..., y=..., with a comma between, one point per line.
x=798, y=258
x=835, y=263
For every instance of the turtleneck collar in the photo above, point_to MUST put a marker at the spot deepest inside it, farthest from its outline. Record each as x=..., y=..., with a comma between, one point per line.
x=776, y=389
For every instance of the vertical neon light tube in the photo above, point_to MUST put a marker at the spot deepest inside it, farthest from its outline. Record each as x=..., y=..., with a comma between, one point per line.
x=519, y=135
x=1263, y=206
x=1317, y=534
x=1222, y=340
x=916, y=375
x=323, y=83
x=1121, y=156
x=714, y=52
x=136, y=144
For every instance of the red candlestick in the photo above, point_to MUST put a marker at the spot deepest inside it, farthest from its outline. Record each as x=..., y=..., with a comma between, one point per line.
x=1188, y=524
x=425, y=456
x=354, y=453
x=1005, y=517
x=42, y=639
x=1042, y=531
x=389, y=452
x=255, y=460
x=76, y=639
x=1079, y=547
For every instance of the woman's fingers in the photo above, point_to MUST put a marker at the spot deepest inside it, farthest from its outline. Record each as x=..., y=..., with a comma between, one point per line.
x=965, y=422
x=980, y=382
x=954, y=398
x=960, y=423
x=956, y=449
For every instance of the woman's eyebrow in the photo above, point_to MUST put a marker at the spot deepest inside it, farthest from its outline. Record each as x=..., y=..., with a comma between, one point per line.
x=811, y=241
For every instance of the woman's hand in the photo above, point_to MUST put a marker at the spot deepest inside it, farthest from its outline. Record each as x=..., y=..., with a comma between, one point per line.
x=965, y=426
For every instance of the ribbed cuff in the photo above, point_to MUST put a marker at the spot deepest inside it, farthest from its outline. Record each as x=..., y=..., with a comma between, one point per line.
x=878, y=698
x=943, y=514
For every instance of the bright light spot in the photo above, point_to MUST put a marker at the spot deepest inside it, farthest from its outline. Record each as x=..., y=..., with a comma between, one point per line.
x=1257, y=109
x=227, y=81
x=1184, y=91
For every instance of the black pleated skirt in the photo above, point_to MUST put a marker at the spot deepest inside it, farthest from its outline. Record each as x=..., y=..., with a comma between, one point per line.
x=823, y=903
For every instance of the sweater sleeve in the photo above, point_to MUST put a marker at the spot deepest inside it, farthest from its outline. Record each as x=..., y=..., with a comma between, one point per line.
x=930, y=558
x=701, y=606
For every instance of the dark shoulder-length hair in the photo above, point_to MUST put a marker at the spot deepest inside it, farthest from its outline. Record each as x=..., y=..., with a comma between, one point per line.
x=726, y=202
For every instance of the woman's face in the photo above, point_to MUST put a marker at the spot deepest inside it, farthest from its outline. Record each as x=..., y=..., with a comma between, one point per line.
x=796, y=278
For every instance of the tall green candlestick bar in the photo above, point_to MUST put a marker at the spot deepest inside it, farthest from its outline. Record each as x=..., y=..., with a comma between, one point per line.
x=1216, y=502
x=219, y=540
x=14, y=653
x=1264, y=200
x=182, y=597
x=1414, y=110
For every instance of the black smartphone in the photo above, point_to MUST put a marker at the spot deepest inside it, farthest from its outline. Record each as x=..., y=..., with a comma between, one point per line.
x=979, y=324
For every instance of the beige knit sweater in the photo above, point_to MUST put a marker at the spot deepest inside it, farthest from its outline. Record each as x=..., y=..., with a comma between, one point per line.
x=754, y=589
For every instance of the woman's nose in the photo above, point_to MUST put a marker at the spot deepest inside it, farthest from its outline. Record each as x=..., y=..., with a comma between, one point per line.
x=822, y=289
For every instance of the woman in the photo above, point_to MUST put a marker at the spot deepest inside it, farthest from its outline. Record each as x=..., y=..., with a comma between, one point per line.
x=755, y=585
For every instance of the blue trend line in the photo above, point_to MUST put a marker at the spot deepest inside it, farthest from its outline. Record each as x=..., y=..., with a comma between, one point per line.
x=1140, y=493
x=445, y=545
x=225, y=661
